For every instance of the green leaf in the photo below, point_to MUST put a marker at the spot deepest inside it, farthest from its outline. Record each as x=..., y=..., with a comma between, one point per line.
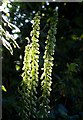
x=4, y=89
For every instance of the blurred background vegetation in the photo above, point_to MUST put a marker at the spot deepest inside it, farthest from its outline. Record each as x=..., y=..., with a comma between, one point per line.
x=66, y=98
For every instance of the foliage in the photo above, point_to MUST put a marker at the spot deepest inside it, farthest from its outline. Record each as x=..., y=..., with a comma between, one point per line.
x=67, y=72
x=61, y=113
x=5, y=36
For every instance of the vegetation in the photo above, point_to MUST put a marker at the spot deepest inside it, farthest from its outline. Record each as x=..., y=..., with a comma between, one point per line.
x=42, y=68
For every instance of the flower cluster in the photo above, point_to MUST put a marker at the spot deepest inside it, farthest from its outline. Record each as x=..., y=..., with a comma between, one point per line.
x=30, y=71
x=48, y=64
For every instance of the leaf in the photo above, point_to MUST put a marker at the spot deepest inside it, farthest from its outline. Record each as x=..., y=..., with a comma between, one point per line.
x=17, y=67
x=11, y=25
x=42, y=76
x=4, y=89
x=62, y=110
x=72, y=67
x=7, y=45
x=27, y=39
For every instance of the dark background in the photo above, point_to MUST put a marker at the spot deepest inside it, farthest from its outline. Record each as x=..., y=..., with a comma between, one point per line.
x=67, y=88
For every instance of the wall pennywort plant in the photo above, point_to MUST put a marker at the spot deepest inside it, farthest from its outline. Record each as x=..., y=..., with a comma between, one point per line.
x=28, y=89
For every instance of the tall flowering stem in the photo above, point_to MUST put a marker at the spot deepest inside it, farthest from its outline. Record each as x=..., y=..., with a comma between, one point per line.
x=48, y=65
x=30, y=72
